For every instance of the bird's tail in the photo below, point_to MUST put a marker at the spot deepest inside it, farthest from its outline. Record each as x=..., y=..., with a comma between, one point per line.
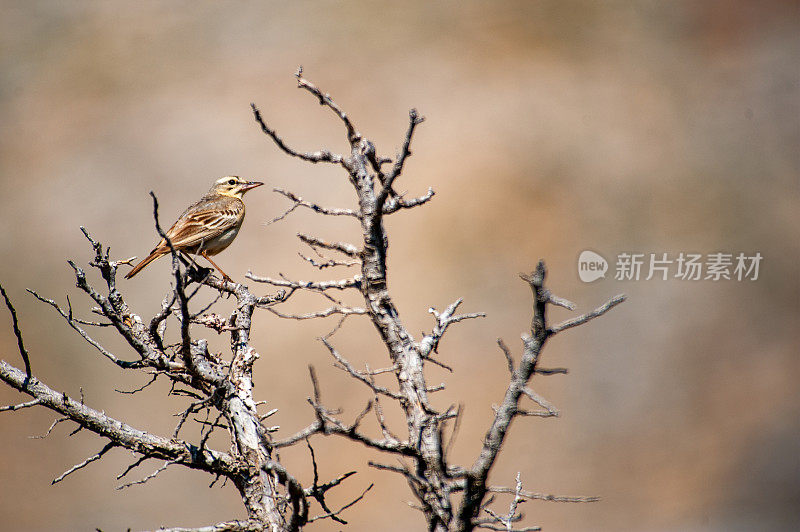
x=150, y=258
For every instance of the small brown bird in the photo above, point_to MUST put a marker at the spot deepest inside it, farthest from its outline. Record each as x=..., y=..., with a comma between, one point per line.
x=208, y=226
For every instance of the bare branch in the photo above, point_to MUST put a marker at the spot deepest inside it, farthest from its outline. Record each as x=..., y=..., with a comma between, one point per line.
x=131, y=467
x=227, y=526
x=268, y=414
x=159, y=322
x=49, y=430
x=183, y=300
x=379, y=371
x=333, y=515
x=151, y=476
x=487, y=526
x=325, y=100
x=443, y=320
x=317, y=491
x=331, y=425
x=533, y=413
x=211, y=426
x=191, y=409
x=328, y=262
x=314, y=383
x=413, y=120
x=360, y=417
x=395, y=203
x=91, y=341
x=20, y=406
x=559, y=301
x=386, y=467
x=86, y=462
x=342, y=247
x=552, y=371
x=539, y=400
x=475, y=487
x=121, y=434
x=344, y=311
x=346, y=366
x=319, y=286
x=300, y=202
x=454, y=433
x=20, y=344
x=507, y=352
x=241, y=292
x=580, y=320
x=296, y=495
x=327, y=424
x=304, y=434
x=315, y=157
x=281, y=216
x=387, y=434
x=541, y=496
x=438, y=363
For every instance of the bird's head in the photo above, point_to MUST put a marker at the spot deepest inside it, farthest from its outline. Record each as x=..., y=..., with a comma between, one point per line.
x=233, y=186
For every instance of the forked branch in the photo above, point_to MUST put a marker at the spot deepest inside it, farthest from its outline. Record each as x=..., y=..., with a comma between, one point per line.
x=432, y=479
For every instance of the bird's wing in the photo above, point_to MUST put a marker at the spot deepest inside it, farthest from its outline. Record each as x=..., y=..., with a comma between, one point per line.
x=203, y=222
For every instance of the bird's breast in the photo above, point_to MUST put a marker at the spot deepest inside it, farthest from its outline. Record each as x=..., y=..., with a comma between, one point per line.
x=222, y=241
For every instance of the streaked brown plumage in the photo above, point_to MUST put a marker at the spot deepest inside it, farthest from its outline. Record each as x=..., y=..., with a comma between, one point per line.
x=207, y=226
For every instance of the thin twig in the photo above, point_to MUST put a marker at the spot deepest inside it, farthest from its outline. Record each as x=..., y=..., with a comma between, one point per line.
x=20, y=343
x=345, y=311
x=20, y=406
x=345, y=365
x=542, y=496
x=507, y=352
x=315, y=157
x=94, y=457
x=342, y=247
x=133, y=466
x=49, y=430
x=300, y=202
x=139, y=389
x=148, y=477
x=333, y=515
x=395, y=203
x=413, y=121
x=325, y=100
x=319, y=286
x=94, y=343
x=580, y=320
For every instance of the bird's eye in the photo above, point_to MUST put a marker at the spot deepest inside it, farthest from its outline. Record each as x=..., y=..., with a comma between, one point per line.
x=231, y=182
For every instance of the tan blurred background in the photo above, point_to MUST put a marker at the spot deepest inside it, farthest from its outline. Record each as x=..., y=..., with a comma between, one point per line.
x=552, y=127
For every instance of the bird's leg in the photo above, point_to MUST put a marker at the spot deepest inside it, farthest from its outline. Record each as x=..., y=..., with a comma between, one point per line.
x=195, y=271
x=225, y=276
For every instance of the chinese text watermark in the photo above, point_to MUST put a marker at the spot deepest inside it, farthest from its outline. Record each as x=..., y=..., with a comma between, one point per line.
x=662, y=266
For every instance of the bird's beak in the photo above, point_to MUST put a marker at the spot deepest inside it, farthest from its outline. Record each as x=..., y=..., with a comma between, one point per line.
x=251, y=184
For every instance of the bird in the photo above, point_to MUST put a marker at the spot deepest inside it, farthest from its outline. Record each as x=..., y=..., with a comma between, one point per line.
x=208, y=226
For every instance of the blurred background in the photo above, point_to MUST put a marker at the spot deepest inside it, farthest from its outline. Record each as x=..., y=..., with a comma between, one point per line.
x=552, y=127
